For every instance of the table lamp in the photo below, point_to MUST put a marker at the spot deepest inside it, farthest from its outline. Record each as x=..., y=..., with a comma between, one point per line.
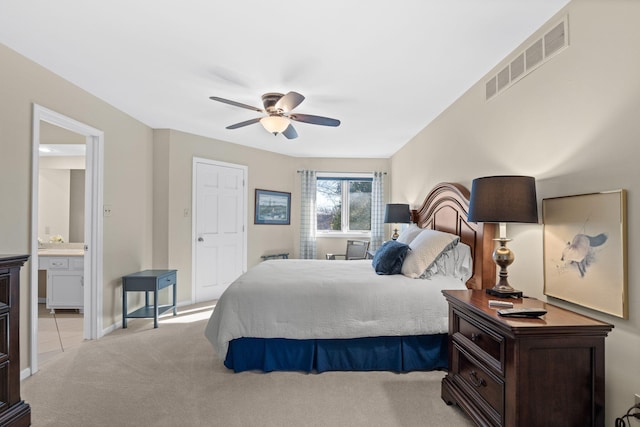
x=501, y=199
x=396, y=213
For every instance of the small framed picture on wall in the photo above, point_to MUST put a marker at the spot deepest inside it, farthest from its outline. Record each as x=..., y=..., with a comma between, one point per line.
x=273, y=207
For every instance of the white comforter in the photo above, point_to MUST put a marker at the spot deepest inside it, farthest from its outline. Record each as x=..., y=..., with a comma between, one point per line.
x=303, y=299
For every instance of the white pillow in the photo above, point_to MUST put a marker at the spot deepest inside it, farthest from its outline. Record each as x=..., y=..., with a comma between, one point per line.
x=456, y=262
x=425, y=249
x=408, y=234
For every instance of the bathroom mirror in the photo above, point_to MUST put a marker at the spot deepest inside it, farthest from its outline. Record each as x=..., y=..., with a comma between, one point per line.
x=61, y=201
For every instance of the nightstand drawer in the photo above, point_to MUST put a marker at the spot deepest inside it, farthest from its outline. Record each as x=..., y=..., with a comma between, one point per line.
x=477, y=380
x=489, y=342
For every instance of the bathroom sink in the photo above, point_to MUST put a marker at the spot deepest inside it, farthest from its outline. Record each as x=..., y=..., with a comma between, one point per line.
x=60, y=252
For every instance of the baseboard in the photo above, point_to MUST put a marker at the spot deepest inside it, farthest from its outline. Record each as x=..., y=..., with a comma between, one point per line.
x=118, y=324
x=25, y=373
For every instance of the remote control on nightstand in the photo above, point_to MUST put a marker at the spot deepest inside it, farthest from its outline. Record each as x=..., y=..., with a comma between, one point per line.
x=522, y=312
x=498, y=303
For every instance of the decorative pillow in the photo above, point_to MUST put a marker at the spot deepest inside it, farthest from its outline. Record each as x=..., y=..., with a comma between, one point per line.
x=408, y=234
x=456, y=262
x=389, y=258
x=425, y=249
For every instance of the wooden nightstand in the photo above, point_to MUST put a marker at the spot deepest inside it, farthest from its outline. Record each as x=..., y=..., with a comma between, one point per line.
x=524, y=372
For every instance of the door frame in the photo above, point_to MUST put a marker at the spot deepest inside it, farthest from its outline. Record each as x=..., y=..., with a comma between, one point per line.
x=194, y=201
x=93, y=239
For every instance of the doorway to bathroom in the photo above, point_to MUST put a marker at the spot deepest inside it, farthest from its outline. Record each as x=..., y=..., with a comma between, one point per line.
x=66, y=239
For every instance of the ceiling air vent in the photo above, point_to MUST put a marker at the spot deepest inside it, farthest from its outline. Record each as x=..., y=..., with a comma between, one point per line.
x=536, y=54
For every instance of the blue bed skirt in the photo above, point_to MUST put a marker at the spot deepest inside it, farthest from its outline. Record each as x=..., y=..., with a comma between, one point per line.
x=400, y=354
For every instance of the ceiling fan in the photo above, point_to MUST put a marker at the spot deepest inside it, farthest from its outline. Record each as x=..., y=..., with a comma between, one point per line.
x=278, y=108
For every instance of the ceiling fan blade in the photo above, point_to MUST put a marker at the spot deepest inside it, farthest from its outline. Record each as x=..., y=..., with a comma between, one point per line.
x=314, y=120
x=290, y=132
x=236, y=104
x=245, y=123
x=290, y=101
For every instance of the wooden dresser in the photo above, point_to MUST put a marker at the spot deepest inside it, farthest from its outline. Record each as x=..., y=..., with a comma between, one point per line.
x=546, y=371
x=13, y=410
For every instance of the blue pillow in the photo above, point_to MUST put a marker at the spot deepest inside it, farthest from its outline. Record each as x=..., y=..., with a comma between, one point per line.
x=389, y=258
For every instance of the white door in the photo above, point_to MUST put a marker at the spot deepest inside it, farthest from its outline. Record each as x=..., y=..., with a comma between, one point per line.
x=220, y=201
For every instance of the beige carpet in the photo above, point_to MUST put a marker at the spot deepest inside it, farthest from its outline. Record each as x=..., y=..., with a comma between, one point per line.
x=170, y=376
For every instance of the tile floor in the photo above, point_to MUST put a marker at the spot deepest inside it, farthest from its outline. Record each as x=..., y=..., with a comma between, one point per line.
x=57, y=332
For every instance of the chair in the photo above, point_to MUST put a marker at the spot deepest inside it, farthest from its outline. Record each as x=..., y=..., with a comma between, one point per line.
x=356, y=249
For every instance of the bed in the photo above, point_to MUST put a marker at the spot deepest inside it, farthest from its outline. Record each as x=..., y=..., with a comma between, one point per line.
x=319, y=315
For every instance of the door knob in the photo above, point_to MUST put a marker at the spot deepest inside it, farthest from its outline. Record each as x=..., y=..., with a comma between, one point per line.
x=200, y=239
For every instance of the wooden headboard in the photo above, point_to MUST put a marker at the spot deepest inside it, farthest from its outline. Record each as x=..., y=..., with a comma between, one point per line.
x=446, y=208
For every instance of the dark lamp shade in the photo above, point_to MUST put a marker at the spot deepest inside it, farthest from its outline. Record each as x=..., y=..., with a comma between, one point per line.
x=396, y=213
x=503, y=199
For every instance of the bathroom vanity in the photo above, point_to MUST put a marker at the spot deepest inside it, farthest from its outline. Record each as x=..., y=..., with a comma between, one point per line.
x=65, y=277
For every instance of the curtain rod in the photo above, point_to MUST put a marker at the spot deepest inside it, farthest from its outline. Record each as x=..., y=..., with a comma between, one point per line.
x=340, y=172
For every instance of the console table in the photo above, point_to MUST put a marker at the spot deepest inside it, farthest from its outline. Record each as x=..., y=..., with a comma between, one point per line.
x=524, y=372
x=148, y=281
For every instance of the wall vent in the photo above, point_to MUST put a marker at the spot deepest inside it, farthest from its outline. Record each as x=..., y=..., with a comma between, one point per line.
x=536, y=54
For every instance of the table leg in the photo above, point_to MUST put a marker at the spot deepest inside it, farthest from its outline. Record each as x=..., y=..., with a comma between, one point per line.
x=175, y=310
x=155, y=308
x=124, y=307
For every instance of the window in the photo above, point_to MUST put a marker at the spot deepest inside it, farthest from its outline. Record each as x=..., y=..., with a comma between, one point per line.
x=343, y=203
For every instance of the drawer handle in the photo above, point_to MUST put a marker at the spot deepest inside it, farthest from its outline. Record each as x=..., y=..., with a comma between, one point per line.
x=478, y=382
x=475, y=336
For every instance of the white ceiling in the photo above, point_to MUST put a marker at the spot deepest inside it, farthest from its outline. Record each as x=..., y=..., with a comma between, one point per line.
x=385, y=69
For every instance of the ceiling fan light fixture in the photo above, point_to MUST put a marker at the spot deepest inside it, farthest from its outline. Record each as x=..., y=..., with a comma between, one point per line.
x=275, y=124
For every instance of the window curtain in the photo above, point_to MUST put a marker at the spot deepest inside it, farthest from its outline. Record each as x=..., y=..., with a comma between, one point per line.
x=308, y=217
x=377, y=210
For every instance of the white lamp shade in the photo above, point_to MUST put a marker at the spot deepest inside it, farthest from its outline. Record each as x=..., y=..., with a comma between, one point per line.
x=275, y=124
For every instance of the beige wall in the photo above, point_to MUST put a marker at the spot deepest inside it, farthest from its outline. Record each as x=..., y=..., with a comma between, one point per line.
x=173, y=156
x=573, y=124
x=127, y=176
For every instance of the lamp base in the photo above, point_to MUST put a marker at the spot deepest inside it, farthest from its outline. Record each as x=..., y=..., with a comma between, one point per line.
x=395, y=234
x=503, y=257
x=504, y=294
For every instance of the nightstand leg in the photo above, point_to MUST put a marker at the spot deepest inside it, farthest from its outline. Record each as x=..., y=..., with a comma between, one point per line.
x=175, y=309
x=155, y=309
x=124, y=308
